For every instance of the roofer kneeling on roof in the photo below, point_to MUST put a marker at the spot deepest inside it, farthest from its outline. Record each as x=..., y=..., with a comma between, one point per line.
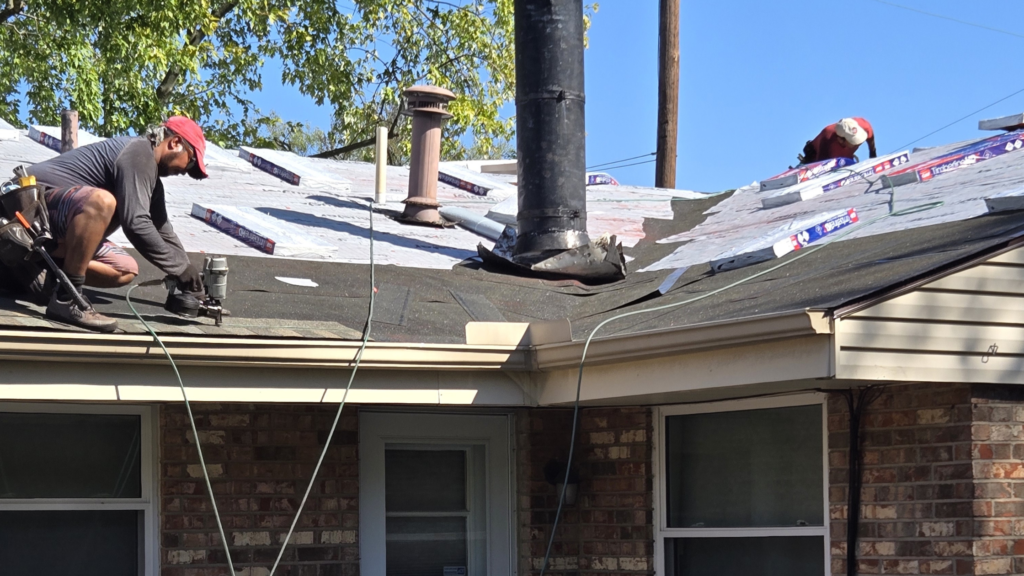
x=840, y=140
x=94, y=190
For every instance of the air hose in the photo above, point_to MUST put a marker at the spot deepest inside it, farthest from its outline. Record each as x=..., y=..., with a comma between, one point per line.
x=330, y=435
x=586, y=346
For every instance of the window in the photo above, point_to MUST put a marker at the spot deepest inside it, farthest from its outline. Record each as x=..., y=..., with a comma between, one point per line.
x=435, y=506
x=741, y=488
x=435, y=495
x=76, y=479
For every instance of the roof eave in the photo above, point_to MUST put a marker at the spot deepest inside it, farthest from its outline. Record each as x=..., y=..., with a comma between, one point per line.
x=672, y=341
x=190, y=350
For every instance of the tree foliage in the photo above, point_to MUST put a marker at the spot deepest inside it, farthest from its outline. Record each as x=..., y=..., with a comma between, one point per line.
x=124, y=64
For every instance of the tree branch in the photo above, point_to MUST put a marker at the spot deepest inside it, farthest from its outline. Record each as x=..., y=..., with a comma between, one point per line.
x=11, y=8
x=354, y=146
x=170, y=81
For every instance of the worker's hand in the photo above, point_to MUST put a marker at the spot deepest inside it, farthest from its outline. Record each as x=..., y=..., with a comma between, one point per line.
x=190, y=280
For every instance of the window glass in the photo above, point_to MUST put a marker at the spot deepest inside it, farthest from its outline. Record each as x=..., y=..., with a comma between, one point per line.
x=425, y=480
x=425, y=546
x=770, y=556
x=750, y=468
x=435, y=504
x=70, y=456
x=79, y=542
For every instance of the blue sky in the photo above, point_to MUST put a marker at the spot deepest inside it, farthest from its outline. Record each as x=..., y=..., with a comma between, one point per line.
x=758, y=79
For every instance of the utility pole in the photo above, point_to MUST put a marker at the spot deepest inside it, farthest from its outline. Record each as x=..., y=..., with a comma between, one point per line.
x=668, y=94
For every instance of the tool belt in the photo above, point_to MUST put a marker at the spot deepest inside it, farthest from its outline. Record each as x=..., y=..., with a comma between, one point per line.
x=15, y=242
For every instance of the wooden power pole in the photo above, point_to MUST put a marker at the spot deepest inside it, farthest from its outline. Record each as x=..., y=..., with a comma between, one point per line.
x=668, y=94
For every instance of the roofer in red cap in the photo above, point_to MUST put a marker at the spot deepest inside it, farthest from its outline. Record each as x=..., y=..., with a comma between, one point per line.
x=840, y=140
x=96, y=189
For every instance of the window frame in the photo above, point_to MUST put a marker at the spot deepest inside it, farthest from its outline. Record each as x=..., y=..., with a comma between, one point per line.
x=662, y=531
x=493, y=430
x=149, y=462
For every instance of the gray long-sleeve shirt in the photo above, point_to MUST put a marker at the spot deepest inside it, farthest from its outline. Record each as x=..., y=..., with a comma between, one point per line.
x=125, y=167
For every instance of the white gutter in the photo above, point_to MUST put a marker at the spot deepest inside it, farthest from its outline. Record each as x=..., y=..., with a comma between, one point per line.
x=23, y=345
x=666, y=342
x=536, y=349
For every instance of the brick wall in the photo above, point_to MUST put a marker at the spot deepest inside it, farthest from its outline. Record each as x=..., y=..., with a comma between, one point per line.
x=997, y=434
x=260, y=458
x=943, y=485
x=609, y=530
x=917, y=491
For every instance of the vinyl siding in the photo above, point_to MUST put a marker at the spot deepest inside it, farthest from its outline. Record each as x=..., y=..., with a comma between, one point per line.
x=966, y=327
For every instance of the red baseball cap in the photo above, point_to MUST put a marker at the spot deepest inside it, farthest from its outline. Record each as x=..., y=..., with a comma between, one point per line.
x=193, y=134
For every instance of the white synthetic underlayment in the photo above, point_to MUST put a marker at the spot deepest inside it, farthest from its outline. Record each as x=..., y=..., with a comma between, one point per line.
x=740, y=219
x=618, y=210
x=330, y=204
x=7, y=131
x=288, y=240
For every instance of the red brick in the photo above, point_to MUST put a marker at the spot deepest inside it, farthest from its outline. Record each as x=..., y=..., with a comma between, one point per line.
x=286, y=449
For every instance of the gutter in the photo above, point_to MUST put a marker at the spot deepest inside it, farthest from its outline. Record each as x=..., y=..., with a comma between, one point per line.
x=671, y=341
x=51, y=346
x=549, y=346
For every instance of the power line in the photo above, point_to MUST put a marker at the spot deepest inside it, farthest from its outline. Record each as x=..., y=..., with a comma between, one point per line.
x=628, y=165
x=940, y=16
x=978, y=111
x=622, y=160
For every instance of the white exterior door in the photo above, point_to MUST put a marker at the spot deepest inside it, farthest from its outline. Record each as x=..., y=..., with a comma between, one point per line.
x=435, y=495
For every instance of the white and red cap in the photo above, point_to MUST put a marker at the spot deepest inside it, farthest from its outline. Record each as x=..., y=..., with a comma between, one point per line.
x=851, y=131
x=193, y=134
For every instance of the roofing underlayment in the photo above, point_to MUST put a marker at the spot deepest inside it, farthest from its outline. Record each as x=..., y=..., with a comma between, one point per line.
x=430, y=283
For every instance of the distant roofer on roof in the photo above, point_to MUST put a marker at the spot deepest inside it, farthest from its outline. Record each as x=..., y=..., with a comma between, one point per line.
x=840, y=140
x=96, y=189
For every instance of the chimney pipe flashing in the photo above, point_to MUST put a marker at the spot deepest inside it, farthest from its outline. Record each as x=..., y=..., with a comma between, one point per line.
x=552, y=235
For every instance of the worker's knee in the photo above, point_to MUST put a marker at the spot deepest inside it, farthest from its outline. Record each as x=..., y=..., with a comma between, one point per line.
x=100, y=204
x=124, y=280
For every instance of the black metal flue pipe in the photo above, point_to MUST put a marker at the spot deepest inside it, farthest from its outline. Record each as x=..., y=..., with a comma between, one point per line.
x=550, y=127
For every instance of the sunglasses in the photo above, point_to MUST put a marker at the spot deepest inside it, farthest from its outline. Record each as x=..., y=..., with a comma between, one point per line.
x=191, y=153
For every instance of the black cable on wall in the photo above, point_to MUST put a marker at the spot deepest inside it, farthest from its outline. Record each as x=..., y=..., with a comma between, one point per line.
x=856, y=405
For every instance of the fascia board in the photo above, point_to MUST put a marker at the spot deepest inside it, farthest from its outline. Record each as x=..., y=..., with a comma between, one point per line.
x=67, y=347
x=677, y=340
x=328, y=354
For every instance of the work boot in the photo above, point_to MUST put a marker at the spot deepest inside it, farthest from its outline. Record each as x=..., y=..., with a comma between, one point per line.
x=70, y=313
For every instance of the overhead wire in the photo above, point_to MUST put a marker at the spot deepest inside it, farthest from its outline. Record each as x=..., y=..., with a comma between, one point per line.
x=953, y=123
x=966, y=23
x=628, y=165
x=330, y=435
x=586, y=346
x=621, y=160
x=958, y=21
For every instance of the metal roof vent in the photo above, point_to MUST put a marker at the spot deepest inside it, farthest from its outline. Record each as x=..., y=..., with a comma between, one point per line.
x=428, y=106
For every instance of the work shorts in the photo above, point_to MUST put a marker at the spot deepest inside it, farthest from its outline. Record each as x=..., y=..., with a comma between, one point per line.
x=63, y=204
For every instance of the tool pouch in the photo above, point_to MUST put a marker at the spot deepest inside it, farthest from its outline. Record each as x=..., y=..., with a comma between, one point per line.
x=15, y=242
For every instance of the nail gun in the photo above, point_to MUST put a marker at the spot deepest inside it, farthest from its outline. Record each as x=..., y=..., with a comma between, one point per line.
x=211, y=302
